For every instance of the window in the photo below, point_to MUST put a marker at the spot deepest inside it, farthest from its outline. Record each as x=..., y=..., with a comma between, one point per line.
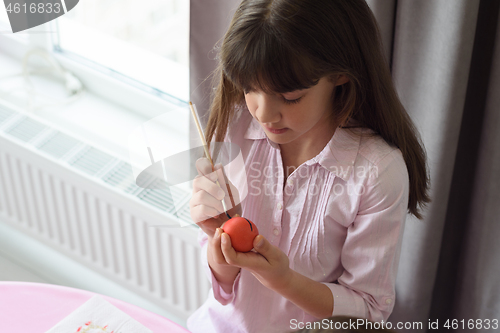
x=4, y=19
x=145, y=41
x=113, y=47
x=5, y=28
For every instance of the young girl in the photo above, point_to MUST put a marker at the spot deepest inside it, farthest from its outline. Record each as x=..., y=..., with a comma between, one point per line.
x=333, y=164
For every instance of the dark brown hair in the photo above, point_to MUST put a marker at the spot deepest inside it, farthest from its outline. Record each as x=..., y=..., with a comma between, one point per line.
x=286, y=45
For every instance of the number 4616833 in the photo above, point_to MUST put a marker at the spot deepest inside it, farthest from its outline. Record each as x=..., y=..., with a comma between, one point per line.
x=34, y=8
x=471, y=324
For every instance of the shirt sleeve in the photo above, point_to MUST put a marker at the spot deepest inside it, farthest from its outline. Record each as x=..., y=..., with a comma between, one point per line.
x=219, y=294
x=370, y=255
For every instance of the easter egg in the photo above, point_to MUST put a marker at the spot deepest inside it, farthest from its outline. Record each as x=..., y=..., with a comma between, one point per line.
x=242, y=233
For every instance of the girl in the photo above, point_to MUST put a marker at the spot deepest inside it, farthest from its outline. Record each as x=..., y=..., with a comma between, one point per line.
x=333, y=164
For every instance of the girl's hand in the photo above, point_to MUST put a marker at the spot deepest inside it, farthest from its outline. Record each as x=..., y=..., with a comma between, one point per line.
x=268, y=264
x=214, y=249
x=223, y=272
x=205, y=205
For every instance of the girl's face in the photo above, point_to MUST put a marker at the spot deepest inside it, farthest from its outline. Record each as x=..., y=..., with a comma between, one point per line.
x=299, y=117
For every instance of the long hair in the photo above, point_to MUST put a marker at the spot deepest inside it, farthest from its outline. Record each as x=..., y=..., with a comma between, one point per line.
x=286, y=45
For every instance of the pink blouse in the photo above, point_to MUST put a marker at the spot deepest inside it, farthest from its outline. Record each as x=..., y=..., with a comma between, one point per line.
x=340, y=219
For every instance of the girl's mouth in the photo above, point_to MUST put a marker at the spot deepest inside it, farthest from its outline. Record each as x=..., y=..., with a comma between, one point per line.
x=277, y=131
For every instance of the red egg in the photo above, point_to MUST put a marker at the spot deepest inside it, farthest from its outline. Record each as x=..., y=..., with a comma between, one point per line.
x=242, y=233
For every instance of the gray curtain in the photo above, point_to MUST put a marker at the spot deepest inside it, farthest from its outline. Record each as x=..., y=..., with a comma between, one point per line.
x=445, y=60
x=209, y=20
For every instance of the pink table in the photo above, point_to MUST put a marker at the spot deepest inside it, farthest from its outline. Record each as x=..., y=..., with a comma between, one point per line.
x=37, y=307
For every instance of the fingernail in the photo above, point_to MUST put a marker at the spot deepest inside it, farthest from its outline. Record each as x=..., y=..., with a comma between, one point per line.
x=217, y=233
x=260, y=242
x=223, y=240
x=220, y=194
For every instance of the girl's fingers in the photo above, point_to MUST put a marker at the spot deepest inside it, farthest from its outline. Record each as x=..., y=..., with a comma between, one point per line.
x=216, y=248
x=205, y=168
x=203, y=206
x=231, y=198
x=239, y=259
x=228, y=251
x=205, y=199
x=207, y=178
x=200, y=213
x=220, y=177
x=201, y=183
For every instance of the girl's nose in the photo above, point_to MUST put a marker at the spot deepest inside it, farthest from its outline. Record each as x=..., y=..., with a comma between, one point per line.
x=268, y=110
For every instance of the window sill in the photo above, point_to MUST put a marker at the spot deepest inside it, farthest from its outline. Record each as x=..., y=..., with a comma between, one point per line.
x=93, y=118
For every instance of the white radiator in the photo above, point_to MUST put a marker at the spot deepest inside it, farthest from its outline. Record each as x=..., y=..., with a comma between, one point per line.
x=84, y=203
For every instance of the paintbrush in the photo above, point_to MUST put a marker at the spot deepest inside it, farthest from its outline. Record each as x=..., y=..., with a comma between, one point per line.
x=207, y=153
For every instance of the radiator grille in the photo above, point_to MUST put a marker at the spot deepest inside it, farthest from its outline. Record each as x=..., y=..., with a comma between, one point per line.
x=58, y=145
x=84, y=202
x=26, y=129
x=91, y=160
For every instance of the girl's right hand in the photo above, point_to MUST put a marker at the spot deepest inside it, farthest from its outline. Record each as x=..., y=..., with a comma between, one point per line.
x=208, y=213
x=205, y=206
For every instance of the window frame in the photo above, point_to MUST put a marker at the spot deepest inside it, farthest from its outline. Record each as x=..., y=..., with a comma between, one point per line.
x=117, y=100
x=103, y=82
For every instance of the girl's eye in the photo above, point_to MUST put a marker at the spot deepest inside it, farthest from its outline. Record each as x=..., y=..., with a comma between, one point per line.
x=291, y=101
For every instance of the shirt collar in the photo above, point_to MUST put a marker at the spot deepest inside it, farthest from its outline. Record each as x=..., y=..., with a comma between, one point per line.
x=338, y=156
x=256, y=132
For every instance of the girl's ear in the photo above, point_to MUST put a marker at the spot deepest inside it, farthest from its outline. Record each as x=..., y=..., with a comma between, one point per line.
x=340, y=80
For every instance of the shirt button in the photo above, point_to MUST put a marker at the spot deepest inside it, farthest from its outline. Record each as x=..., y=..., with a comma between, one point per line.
x=388, y=301
x=276, y=232
x=290, y=182
x=280, y=206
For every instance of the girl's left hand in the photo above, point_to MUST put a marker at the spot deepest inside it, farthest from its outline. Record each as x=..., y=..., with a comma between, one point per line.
x=269, y=265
